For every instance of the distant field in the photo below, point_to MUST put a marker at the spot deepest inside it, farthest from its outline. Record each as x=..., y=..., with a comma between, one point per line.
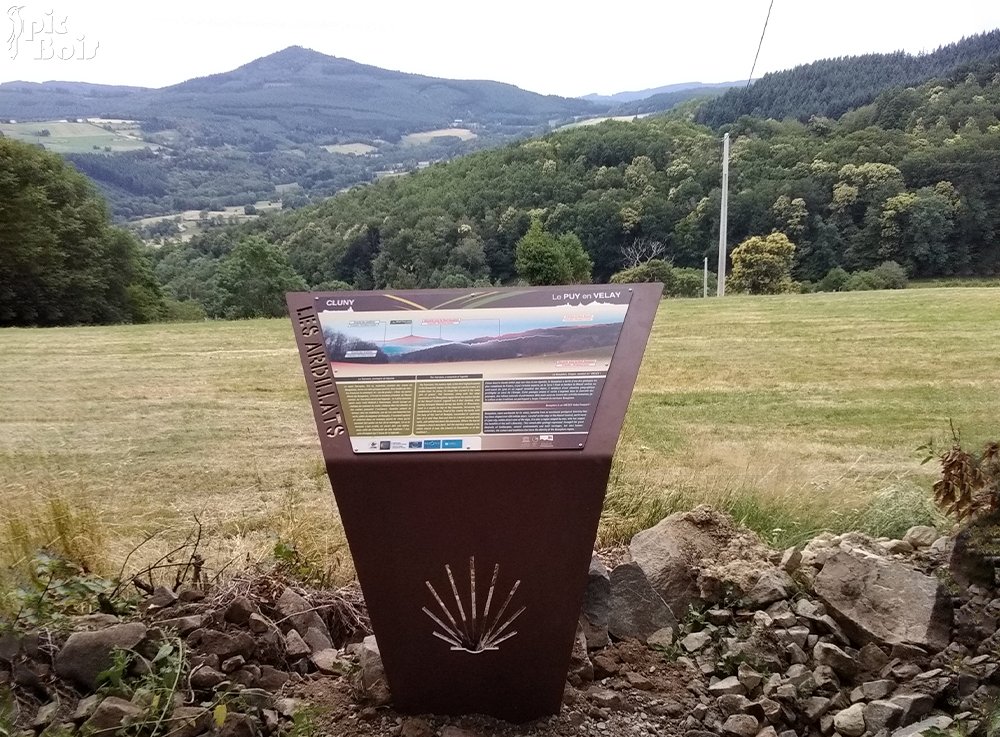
x=416, y=139
x=190, y=221
x=791, y=410
x=86, y=137
x=357, y=149
x=595, y=121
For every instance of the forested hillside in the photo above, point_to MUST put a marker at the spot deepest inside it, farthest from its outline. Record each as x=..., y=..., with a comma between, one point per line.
x=913, y=177
x=831, y=87
x=245, y=135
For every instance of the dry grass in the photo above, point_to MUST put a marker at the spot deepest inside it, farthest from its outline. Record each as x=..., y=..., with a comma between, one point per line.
x=795, y=413
x=417, y=139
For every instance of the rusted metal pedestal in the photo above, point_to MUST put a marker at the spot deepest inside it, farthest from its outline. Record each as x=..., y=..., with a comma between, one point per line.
x=474, y=565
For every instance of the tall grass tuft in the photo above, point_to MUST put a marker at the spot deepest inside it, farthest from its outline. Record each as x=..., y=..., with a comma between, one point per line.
x=72, y=531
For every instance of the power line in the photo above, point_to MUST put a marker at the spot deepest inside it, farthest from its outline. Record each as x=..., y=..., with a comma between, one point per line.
x=761, y=43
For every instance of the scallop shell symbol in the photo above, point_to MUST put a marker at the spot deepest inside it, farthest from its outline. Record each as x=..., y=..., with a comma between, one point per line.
x=464, y=627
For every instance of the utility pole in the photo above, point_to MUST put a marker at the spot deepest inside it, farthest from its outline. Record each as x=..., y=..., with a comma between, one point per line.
x=704, y=287
x=724, y=216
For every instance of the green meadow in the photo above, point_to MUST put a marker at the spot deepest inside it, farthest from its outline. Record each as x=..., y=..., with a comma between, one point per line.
x=795, y=413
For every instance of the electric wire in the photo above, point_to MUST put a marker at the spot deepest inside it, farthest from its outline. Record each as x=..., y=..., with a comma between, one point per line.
x=760, y=44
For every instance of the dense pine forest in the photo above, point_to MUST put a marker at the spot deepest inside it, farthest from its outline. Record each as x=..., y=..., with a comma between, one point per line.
x=912, y=178
x=831, y=87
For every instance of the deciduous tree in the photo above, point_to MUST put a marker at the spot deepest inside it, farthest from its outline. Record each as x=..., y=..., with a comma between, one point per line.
x=763, y=265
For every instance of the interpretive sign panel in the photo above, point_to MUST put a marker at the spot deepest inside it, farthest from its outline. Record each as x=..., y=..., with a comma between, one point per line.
x=468, y=436
x=459, y=371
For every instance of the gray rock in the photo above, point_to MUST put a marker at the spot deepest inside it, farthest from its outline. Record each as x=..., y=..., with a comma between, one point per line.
x=662, y=638
x=233, y=664
x=238, y=725
x=111, y=715
x=872, y=658
x=851, y=721
x=881, y=714
x=204, y=678
x=415, y=727
x=223, y=644
x=373, y=679
x=10, y=647
x=826, y=725
x=271, y=678
x=791, y=559
x=874, y=690
x=732, y=703
x=303, y=617
x=606, y=698
x=257, y=698
x=799, y=635
x=286, y=707
x=638, y=681
x=750, y=678
x=796, y=655
x=881, y=600
x=925, y=727
x=597, y=605
x=826, y=680
x=189, y=595
x=782, y=615
x=329, y=662
x=317, y=639
x=768, y=731
x=843, y=664
x=740, y=725
x=815, y=707
x=45, y=715
x=189, y=721
x=240, y=611
x=295, y=646
x=581, y=670
x=184, y=626
x=914, y=705
x=942, y=546
x=88, y=654
x=772, y=585
x=669, y=553
x=897, y=547
x=788, y=693
x=86, y=708
x=921, y=536
x=696, y=641
x=636, y=609
x=730, y=685
x=258, y=624
x=161, y=598
x=719, y=616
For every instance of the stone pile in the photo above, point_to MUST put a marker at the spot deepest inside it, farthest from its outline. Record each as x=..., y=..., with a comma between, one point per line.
x=699, y=630
x=844, y=636
x=240, y=654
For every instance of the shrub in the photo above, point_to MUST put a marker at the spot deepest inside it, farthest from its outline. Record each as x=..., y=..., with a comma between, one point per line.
x=891, y=275
x=836, y=280
x=689, y=283
x=654, y=270
x=887, y=275
x=183, y=311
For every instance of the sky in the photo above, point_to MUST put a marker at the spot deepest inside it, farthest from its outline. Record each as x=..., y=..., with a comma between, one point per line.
x=564, y=48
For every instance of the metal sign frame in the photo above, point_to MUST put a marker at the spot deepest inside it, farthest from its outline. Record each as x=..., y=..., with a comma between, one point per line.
x=474, y=565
